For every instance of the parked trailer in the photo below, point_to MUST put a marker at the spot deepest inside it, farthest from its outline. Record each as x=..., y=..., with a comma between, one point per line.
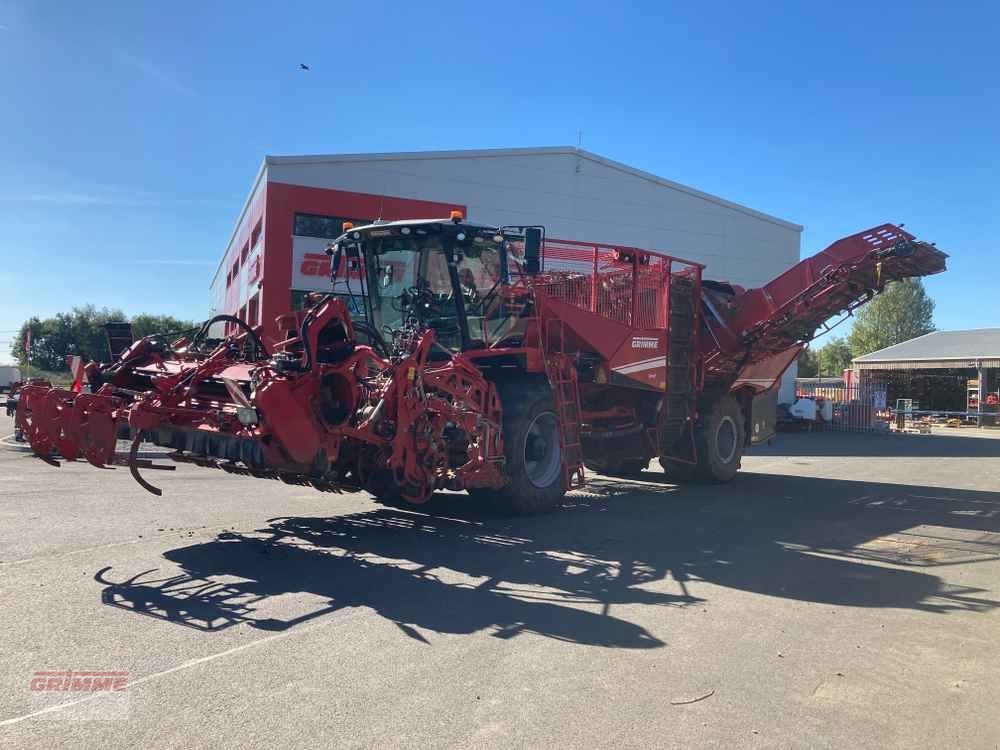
x=469, y=365
x=9, y=375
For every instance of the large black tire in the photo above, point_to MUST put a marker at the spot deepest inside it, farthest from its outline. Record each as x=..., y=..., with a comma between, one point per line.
x=532, y=449
x=625, y=467
x=678, y=471
x=720, y=437
x=386, y=492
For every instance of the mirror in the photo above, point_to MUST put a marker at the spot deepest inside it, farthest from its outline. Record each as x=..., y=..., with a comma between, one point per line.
x=532, y=250
x=337, y=252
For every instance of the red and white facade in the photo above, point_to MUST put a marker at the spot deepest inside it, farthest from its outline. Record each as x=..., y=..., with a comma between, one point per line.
x=297, y=205
x=267, y=267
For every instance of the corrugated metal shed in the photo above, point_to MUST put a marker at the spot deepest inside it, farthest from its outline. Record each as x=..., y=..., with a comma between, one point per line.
x=938, y=350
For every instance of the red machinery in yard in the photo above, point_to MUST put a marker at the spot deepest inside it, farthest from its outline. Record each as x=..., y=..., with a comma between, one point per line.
x=468, y=365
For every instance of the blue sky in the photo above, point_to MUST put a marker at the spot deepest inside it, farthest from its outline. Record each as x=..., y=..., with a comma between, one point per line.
x=130, y=132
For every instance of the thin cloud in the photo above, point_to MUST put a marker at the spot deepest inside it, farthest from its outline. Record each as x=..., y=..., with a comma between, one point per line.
x=61, y=199
x=71, y=198
x=174, y=262
x=156, y=73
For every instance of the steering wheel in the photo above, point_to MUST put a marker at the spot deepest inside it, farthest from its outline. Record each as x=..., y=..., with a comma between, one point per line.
x=471, y=296
x=415, y=297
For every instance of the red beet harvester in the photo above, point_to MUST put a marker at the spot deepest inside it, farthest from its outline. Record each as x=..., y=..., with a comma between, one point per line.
x=452, y=358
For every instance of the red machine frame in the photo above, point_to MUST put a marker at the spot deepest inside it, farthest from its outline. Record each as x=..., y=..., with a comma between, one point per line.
x=632, y=353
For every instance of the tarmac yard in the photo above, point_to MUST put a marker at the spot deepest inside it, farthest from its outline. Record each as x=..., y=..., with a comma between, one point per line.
x=843, y=591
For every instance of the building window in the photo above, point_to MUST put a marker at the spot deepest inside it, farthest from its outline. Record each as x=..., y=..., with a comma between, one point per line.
x=245, y=252
x=252, y=310
x=255, y=235
x=328, y=227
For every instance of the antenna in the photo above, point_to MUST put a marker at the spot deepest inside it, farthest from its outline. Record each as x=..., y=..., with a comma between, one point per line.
x=579, y=138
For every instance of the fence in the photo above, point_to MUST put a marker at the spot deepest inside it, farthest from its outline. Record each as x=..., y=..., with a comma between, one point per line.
x=858, y=407
x=910, y=401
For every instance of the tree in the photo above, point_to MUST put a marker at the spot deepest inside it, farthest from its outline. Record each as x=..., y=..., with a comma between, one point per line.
x=833, y=358
x=144, y=325
x=81, y=331
x=900, y=313
x=808, y=366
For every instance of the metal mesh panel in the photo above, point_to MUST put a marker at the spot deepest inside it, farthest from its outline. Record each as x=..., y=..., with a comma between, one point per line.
x=651, y=287
x=843, y=407
x=590, y=277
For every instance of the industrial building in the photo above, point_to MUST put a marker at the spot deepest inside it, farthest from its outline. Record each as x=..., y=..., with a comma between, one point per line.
x=297, y=204
x=943, y=371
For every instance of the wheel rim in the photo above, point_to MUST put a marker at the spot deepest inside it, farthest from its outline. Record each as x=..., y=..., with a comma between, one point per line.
x=726, y=439
x=542, y=453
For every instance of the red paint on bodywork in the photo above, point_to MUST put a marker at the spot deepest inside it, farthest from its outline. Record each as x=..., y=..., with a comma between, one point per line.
x=321, y=410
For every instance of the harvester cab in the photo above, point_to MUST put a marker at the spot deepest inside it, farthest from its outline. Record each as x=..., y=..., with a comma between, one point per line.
x=450, y=276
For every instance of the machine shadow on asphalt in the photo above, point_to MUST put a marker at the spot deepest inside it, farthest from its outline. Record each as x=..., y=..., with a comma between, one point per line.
x=574, y=575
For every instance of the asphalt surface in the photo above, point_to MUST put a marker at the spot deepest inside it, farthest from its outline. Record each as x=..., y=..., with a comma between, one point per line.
x=843, y=591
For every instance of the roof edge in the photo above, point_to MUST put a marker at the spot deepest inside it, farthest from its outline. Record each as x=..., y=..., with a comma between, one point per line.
x=929, y=359
x=874, y=356
x=533, y=151
x=893, y=346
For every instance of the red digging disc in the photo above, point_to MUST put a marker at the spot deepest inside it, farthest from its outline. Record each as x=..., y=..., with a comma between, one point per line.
x=53, y=417
x=94, y=428
x=28, y=408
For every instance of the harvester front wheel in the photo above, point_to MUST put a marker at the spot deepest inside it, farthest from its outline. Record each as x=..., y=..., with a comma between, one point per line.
x=532, y=448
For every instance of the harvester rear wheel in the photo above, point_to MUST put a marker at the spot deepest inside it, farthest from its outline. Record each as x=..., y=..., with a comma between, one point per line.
x=720, y=438
x=532, y=449
x=678, y=471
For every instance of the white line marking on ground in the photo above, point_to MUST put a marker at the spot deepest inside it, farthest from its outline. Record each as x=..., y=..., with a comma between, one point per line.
x=151, y=538
x=165, y=672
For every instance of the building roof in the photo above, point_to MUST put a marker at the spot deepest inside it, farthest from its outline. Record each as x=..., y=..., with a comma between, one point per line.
x=532, y=151
x=938, y=349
